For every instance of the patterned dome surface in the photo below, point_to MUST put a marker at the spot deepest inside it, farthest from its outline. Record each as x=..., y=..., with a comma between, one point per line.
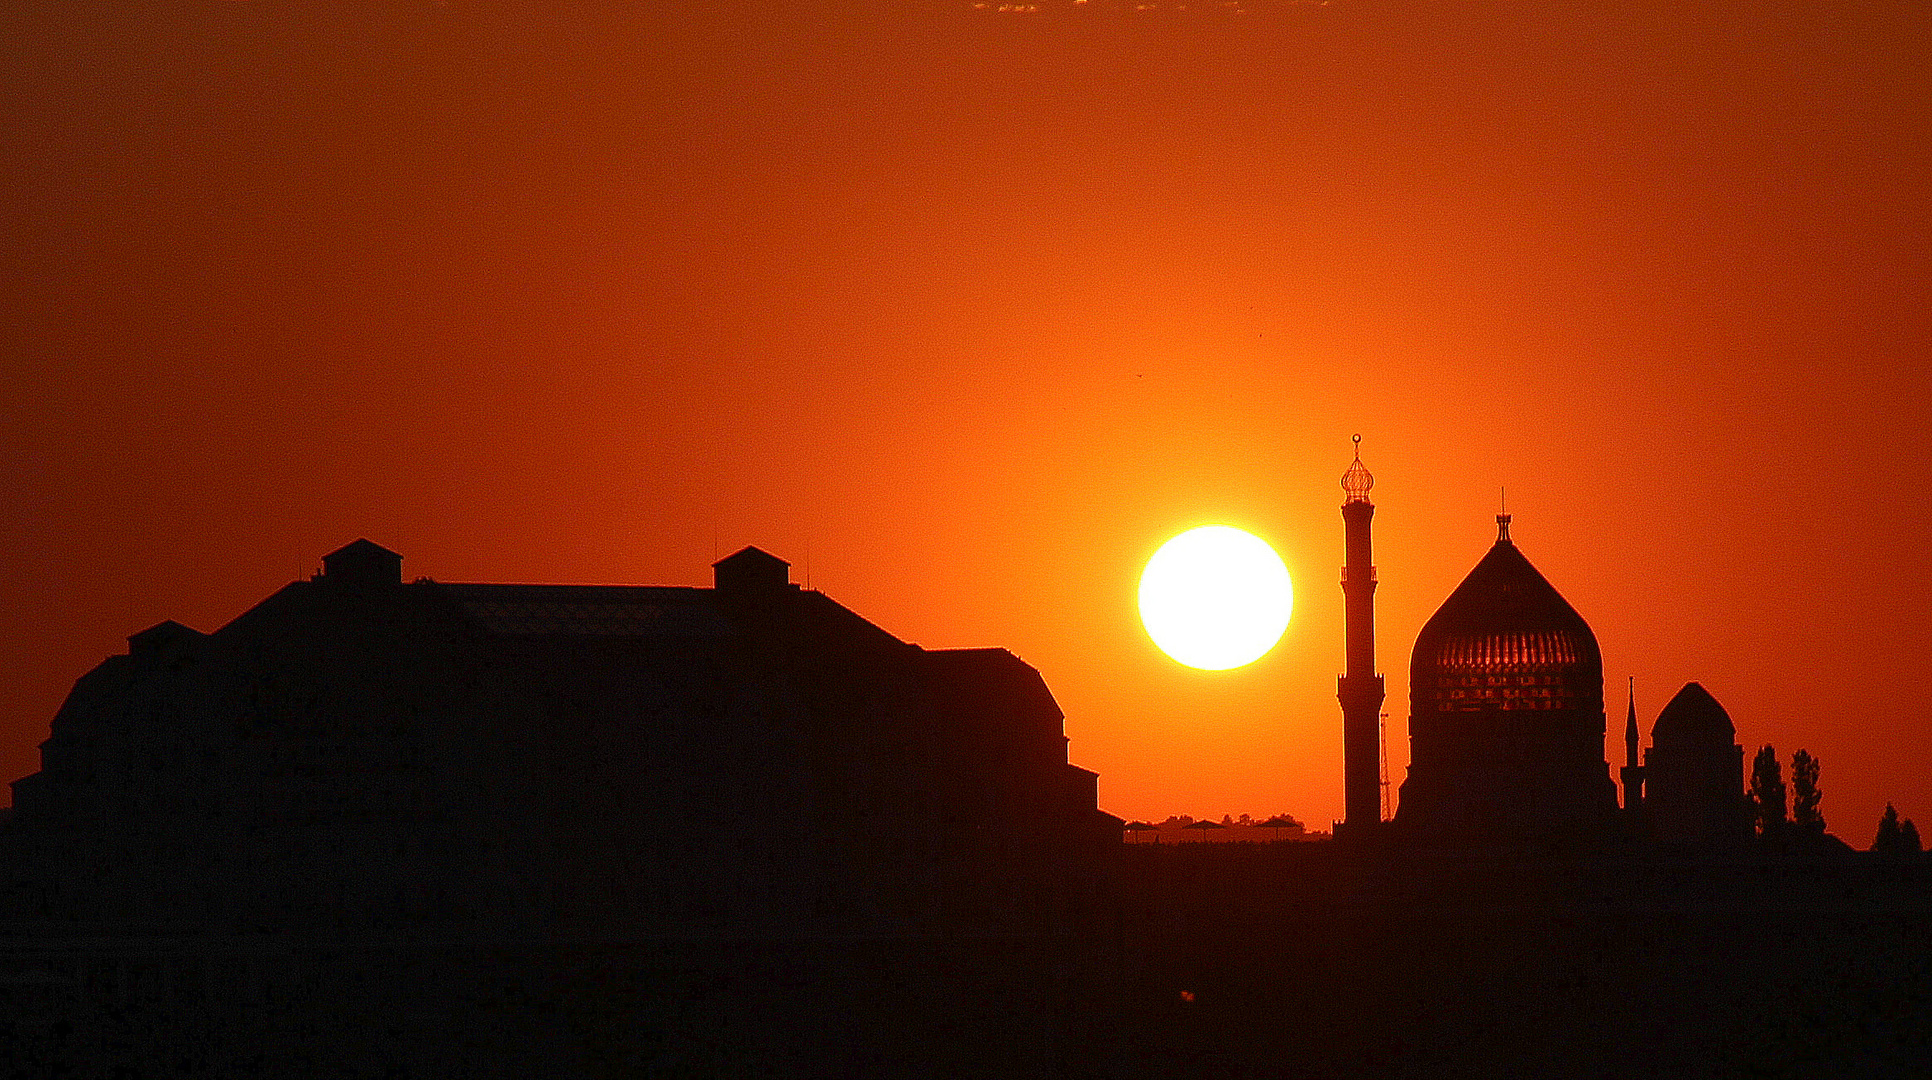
x=1357, y=481
x=1505, y=638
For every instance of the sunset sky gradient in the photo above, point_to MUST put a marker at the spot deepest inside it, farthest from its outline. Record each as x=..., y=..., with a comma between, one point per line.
x=973, y=311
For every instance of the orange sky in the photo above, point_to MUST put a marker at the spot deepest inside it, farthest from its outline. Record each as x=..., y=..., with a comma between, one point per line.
x=980, y=309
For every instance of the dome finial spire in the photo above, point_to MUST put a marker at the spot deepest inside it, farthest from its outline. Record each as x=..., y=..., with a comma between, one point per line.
x=1357, y=481
x=1502, y=520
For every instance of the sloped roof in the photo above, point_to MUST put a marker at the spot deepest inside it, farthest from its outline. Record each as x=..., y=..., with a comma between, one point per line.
x=751, y=555
x=590, y=610
x=162, y=633
x=1693, y=716
x=993, y=677
x=362, y=547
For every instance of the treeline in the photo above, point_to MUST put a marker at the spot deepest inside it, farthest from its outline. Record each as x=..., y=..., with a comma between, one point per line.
x=1773, y=822
x=1282, y=826
x=1285, y=821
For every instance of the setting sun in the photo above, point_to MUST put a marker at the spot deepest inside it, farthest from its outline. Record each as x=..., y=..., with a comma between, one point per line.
x=1215, y=598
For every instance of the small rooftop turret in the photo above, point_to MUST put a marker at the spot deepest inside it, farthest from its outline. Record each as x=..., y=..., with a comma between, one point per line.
x=752, y=572
x=362, y=564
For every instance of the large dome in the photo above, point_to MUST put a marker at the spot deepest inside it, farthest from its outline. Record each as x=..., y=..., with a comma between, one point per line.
x=1504, y=626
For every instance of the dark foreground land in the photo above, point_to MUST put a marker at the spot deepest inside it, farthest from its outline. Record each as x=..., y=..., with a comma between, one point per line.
x=1281, y=960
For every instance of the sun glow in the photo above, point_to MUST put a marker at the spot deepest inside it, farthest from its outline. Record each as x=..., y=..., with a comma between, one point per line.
x=1216, y=598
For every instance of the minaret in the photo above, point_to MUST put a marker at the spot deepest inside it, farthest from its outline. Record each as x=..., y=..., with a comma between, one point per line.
x=1360, y=690
x=1633, y=773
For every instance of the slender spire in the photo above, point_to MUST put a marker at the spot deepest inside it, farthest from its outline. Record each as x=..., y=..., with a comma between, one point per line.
x=1633, y=773
x=1360, y=689
x=1630, y=727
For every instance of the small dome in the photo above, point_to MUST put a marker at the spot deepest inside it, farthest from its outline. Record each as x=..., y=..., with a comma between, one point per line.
x=1693, y=716
x=1357, y=481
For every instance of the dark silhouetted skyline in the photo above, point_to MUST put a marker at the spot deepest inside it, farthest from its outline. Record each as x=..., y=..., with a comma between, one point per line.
x=977, y=312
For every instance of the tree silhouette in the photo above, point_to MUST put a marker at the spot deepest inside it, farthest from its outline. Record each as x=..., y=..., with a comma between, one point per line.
x=1804, y=793
x=1895, y=836
x=1887, y=840
x=1767, y=792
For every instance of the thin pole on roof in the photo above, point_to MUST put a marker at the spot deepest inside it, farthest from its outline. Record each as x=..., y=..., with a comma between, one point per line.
x=1382, y=735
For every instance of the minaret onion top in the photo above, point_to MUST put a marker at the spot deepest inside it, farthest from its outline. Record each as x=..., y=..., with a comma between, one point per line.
x=1357, y=481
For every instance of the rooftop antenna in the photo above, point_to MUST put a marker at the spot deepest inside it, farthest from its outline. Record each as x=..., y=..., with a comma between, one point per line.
x=1384, y=738
x=1502, y=519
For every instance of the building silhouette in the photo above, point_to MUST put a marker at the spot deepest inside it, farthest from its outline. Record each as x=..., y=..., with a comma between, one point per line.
x=747, y=758
x=1506, y=718
x=1692, y=783
x=1506, y=722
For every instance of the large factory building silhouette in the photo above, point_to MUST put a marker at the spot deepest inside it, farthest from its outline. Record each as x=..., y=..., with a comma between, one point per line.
x=752, y=757
x=1506, y=718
